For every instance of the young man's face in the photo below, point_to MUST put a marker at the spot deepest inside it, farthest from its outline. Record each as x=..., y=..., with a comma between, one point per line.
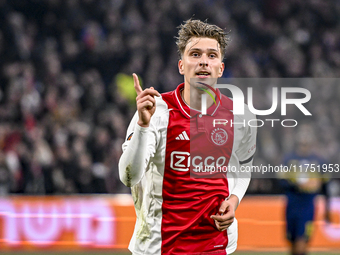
x=201, y=60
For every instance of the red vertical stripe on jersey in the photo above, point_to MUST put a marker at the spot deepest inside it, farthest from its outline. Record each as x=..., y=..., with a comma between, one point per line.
x=188, y=202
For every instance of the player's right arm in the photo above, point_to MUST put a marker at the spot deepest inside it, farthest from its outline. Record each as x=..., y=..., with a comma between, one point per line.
x=140, y=143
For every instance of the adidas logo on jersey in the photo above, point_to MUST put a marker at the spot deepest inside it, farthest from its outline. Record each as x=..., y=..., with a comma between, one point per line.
x=182, y=136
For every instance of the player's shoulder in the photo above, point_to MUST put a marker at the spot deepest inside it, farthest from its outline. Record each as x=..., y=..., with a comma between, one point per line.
x=248, y=115
x=161, y=115
x=161, y=106
x=169, y=98
x=310, y=157
x=168, y=94
x=291, y=156
x=317, y=158
x=163, y=101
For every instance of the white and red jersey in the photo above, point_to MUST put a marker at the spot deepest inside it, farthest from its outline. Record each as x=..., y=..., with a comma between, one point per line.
x=173, y=198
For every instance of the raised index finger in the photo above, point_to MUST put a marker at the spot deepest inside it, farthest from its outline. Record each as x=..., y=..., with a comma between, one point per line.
x=136, y=84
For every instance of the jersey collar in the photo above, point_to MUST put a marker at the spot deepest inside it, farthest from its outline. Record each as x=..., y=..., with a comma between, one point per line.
x=190, y=112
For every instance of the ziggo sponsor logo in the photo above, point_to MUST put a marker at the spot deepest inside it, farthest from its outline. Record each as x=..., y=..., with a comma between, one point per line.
x=181, y=161
x=91, y=221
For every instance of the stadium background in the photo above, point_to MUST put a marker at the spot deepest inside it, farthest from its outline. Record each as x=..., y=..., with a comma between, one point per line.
x=66, y=94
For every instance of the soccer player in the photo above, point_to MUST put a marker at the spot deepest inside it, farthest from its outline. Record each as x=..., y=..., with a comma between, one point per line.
x=180, y=207
x=301, y=186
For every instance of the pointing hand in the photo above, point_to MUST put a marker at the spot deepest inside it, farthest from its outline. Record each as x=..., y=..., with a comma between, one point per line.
x=146, y=103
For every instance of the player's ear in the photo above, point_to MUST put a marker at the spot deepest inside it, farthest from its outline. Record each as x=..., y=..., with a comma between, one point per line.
x=180, y=67
x=220, y=73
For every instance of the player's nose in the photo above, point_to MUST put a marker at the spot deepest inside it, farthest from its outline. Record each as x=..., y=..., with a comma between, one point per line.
x=203, y=63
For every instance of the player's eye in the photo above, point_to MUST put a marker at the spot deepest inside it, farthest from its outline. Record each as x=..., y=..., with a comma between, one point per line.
x=212, y=55
x=195, y=54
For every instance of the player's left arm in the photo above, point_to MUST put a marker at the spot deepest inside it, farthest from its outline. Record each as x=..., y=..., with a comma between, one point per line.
x=245, y=154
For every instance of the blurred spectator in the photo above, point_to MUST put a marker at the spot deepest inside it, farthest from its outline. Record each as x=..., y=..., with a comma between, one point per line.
x=5, y=176
x=301, y=187
x=62, y=117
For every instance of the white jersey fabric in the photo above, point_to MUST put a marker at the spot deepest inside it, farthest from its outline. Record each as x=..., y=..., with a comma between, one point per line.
x=172, y=207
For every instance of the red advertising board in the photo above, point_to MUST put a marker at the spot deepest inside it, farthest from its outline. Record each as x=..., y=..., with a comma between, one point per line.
x=107, y=222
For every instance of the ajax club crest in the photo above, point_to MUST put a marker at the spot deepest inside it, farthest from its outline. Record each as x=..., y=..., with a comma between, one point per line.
x=219, y=136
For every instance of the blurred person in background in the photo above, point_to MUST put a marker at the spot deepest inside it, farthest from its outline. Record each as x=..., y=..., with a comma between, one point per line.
x=308, y=177
x=59, y=60
x=6, y=178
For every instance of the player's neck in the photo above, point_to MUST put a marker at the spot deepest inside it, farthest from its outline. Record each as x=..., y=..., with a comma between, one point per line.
x=192, y=97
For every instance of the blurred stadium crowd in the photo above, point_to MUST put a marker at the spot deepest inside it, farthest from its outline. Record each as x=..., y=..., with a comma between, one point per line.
x=64, y=74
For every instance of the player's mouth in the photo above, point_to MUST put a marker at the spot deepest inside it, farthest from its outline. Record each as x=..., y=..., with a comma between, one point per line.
x=203, y=74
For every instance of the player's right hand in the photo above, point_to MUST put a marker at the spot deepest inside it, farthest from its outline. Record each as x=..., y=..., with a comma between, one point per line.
x=146, y=103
